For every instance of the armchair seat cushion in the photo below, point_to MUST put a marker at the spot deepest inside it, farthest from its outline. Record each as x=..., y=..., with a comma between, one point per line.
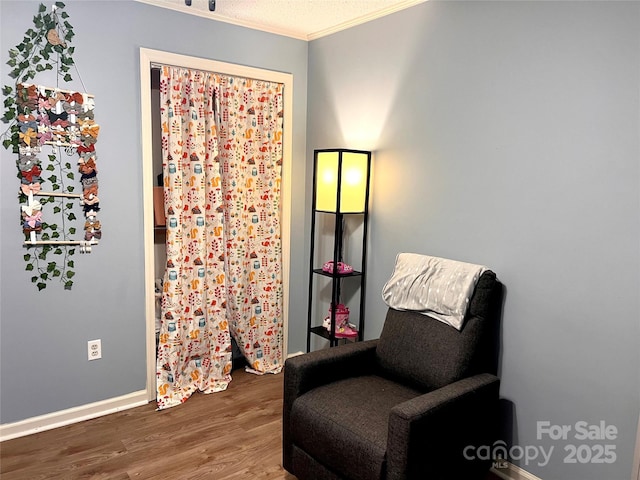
x=346, y=423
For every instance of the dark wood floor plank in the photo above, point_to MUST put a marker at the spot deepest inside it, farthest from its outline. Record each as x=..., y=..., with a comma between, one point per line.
x=230, y=434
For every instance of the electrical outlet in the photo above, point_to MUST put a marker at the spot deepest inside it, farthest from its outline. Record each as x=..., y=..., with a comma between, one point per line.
x=94, y=349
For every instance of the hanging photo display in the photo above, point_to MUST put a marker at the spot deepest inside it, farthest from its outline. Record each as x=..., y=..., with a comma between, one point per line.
x=65, y=119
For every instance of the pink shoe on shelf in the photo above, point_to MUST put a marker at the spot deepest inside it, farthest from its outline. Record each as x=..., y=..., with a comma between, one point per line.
x=342, y=267
x=344, y=329
x=342, y=316
x=347, y=330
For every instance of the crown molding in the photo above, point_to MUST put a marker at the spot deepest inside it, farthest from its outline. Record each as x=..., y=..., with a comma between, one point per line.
x=292, y=33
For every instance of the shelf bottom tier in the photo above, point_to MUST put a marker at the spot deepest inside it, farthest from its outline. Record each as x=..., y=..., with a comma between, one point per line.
x=324, y=333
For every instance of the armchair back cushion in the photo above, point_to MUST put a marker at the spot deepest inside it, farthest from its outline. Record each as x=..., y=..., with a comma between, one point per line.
x=426, y=354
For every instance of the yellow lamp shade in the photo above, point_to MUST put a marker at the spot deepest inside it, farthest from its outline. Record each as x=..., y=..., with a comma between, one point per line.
x=347, y=169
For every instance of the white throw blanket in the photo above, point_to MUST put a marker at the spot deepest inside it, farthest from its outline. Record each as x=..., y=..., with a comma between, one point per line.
x=433, y=286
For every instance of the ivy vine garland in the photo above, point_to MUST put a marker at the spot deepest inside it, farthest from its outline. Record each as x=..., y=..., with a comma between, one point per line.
x=34, y=54
x=39, y=116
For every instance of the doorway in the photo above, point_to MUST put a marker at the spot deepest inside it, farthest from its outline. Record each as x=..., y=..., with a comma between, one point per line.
x=149, y=59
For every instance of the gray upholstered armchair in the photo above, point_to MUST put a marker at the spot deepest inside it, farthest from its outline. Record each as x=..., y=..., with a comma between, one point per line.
x=404, y=406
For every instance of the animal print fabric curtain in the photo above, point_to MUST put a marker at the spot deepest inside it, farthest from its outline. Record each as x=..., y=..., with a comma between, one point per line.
x=222, y=156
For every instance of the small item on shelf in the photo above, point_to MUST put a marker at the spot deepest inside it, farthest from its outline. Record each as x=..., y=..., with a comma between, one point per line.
x=158, y=207
x=342, y=267
x=344, y=329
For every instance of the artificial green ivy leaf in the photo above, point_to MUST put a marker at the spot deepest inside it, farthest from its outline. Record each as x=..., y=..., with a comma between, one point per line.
x=8, y=116
x=70, y=274
x=27, y=257
x=58, y=251
x=44, y=275
x=68, y=284
x=29, y=267
x=70, y=264
x=59, y=4
x=43, y=8
x=71, y=216
x=55, y=235
x=71, y=189
x=55, y=187
x=72, y=251
x=45, y=236
x=51, y=266
x=70, y=175
x=57, y=209
x=41, y=286
x=53, y=179
x=39, y=68
x=34, y=279
x=56, y=273
x=67, y=78
x=72, y=230
x=67, y=165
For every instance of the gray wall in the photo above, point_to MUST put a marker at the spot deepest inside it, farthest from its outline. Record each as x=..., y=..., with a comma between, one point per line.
x=506, y=134
x=43, y=362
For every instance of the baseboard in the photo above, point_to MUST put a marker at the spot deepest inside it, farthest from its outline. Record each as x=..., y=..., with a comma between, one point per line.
x=513, y=472
x=52, y=420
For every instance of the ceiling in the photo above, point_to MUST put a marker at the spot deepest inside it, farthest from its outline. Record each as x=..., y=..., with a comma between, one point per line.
x=303, y=19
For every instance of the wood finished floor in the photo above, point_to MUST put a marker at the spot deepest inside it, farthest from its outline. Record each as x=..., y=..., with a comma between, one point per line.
x=235, y=434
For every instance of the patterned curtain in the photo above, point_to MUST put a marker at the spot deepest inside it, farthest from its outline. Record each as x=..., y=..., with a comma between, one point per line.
x=222, y=194
x=250, y=134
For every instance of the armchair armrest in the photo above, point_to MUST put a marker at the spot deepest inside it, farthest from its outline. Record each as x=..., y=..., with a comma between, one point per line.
x=308, y=371
x=311, y=370
x=428, y=434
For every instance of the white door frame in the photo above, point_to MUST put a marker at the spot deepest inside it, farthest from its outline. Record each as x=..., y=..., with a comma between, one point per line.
x=636, y=457
x=148, y=58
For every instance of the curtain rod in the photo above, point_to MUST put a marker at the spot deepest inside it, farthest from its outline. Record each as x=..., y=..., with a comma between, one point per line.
x=158, y=66
x=155, y=65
